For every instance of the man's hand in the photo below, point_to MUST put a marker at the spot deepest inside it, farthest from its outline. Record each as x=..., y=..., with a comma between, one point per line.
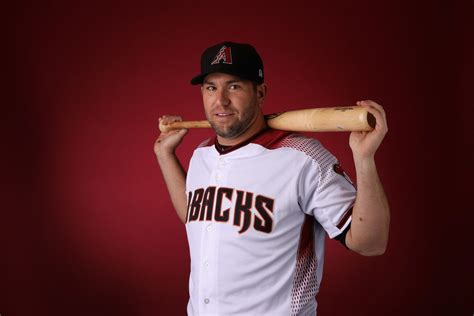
x=171, y=169
x=168, y=141
x=365, y=144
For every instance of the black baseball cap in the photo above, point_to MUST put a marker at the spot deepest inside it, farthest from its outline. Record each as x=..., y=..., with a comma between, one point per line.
x=238, y=59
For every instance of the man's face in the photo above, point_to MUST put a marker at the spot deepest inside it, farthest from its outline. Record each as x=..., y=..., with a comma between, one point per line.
x=230, y=103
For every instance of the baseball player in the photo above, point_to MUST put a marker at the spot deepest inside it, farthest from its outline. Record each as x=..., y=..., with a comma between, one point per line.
x=257, y=203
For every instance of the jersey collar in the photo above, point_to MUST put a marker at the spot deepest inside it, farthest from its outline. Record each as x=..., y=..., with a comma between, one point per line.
x=266, y=137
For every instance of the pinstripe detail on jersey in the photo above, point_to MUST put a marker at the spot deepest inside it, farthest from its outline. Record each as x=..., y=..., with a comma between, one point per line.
x=305, y=283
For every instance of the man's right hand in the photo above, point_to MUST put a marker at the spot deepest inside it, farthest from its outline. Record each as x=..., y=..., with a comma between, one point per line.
x=167, y=142
x=171, y=169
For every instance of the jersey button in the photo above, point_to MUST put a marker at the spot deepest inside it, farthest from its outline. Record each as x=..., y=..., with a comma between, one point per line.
x=206, y=301
x=208, y=228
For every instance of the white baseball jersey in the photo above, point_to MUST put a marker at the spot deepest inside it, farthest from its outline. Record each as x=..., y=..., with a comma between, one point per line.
x=257, y=217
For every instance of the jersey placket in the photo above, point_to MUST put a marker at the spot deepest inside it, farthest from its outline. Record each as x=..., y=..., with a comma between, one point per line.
x=210, y=237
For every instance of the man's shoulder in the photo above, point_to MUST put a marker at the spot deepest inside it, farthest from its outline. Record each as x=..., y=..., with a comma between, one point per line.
x=274, y=139
x=310, y=147
x=298, y=142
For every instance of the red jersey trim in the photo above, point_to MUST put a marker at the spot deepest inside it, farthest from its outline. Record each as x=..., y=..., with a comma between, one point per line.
x=345, y=217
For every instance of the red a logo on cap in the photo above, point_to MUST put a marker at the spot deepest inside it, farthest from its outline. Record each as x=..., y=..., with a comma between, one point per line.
x=223, y=55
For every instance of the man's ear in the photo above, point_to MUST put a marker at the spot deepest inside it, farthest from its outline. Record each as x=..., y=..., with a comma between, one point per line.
x=261, y=93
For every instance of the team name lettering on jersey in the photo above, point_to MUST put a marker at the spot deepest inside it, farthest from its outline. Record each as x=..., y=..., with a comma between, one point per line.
x=248, y=209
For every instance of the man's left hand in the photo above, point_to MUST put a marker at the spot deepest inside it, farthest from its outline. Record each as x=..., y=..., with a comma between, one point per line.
x=365, y=144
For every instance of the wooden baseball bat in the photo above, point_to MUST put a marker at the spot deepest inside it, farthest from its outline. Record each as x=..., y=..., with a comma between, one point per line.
x=331, y=119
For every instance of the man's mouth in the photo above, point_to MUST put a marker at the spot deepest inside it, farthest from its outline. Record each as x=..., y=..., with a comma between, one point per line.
x=224, y=114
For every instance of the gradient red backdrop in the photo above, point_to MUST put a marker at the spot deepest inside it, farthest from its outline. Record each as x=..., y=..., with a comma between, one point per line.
x=88, y=225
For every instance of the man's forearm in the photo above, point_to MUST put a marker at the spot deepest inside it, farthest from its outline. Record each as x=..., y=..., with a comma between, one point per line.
x=371, y=215
x=175, y=179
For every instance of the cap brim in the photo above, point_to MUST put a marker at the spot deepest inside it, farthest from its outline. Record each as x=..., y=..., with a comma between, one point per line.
x=198, y=79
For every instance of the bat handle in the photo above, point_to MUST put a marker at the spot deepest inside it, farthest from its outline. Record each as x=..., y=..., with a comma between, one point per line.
x=184, y=124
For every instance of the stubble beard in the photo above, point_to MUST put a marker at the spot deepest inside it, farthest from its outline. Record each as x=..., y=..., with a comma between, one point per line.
x=240, y=126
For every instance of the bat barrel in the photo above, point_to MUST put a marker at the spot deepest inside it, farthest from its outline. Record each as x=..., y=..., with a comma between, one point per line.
x=334, y=119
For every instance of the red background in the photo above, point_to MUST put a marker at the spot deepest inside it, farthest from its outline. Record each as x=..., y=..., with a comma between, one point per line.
x=88, y=227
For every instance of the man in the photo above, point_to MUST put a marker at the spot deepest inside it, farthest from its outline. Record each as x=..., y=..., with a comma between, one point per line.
x=257, y=203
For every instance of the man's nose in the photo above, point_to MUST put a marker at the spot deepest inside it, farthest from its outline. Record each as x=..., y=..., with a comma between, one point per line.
x=222, y=97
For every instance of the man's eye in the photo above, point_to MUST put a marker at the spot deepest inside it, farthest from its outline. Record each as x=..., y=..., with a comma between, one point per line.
x=211, y=88
x=234, y=87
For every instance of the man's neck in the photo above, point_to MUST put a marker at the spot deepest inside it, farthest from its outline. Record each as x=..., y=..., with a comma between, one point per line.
x=256, y=127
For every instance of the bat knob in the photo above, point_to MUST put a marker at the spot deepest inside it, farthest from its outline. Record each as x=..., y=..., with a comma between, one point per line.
x=164, y=127
x=371, y=120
